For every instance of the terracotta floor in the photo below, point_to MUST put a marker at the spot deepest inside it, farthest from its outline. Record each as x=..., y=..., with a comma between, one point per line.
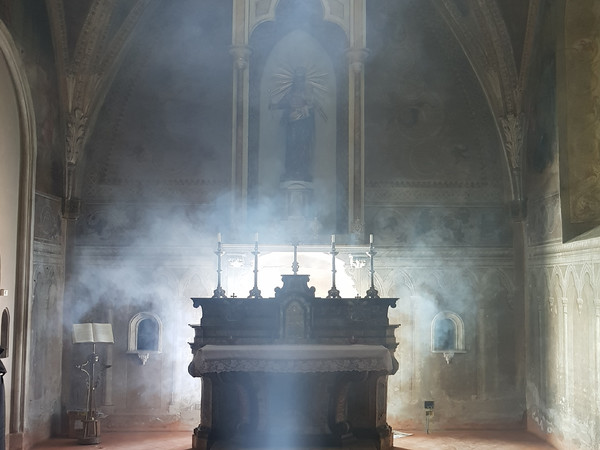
x=449, y=440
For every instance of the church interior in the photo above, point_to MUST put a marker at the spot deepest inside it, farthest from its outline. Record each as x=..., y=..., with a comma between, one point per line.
x=439, y=154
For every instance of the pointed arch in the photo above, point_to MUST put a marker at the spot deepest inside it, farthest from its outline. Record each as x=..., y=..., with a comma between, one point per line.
x=22, y=293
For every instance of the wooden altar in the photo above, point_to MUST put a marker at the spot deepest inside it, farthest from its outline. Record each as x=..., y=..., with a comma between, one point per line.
x=293, y=371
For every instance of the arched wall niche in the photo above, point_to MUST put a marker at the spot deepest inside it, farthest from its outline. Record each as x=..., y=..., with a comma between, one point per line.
x=145, y=335
x=298, y=36
x=447, y=335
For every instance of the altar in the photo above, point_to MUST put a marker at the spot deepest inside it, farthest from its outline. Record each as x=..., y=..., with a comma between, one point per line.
x=294, y=371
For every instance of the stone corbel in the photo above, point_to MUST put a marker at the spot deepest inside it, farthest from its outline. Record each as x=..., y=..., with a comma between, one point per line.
x=74, y=140
x=448, y=356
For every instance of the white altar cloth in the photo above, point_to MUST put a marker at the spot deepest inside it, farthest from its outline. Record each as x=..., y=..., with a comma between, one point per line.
x=292, y=358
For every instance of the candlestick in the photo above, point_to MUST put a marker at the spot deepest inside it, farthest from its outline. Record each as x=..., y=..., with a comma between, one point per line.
x=219, y=292
x=333, y=292
x=295, y=265
x=255, y=292
x=372, y=292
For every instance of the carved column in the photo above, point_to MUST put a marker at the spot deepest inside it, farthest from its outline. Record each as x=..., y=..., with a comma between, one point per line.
x=239, y=123
x=357, y=55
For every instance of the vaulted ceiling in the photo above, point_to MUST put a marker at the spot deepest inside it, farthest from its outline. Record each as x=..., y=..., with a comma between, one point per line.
x=99, y=44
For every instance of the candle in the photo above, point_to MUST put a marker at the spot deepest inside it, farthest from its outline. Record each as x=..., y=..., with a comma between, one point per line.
x=371, y=238
x=333, y=238
x=255, y=237
x=219, y=238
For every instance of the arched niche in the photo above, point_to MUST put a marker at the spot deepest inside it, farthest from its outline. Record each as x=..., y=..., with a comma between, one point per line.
x=145, y=335
x=298, y=36
x=447, y=335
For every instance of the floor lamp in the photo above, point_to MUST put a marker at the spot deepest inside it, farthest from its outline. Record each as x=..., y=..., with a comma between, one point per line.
x=91, y=333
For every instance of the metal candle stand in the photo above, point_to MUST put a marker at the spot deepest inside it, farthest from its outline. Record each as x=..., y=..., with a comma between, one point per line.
x=333, y=292
x=219, y=292
x=295, y=265
x=255, y=292
x=372, y=292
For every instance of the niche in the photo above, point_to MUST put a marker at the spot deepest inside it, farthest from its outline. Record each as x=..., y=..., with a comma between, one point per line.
x=145, y=336
x=447, y=335
x=4, y=332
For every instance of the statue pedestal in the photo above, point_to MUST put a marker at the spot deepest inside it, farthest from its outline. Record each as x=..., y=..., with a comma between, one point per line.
x=298, y=199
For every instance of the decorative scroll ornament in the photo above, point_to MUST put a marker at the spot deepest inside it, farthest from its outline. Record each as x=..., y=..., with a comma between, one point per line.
x=512, y=125
x=76, y=127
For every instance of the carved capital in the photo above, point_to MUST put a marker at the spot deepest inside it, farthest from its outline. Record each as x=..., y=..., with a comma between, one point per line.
x=512, y=126
x=357, y=58
x=241, y=56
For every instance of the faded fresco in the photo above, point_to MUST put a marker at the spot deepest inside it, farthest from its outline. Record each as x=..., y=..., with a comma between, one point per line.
x=579, y=73
x=542, y=177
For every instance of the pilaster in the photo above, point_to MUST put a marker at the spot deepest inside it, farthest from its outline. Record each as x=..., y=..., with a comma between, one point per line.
x=357, y=54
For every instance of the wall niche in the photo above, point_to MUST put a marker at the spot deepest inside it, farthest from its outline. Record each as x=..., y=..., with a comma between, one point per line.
x=145, y=336
x=447, y=335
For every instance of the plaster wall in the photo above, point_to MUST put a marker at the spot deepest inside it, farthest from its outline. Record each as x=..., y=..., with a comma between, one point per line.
x=478, y=387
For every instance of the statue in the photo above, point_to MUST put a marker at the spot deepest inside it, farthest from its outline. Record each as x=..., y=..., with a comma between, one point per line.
x=298, y=100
